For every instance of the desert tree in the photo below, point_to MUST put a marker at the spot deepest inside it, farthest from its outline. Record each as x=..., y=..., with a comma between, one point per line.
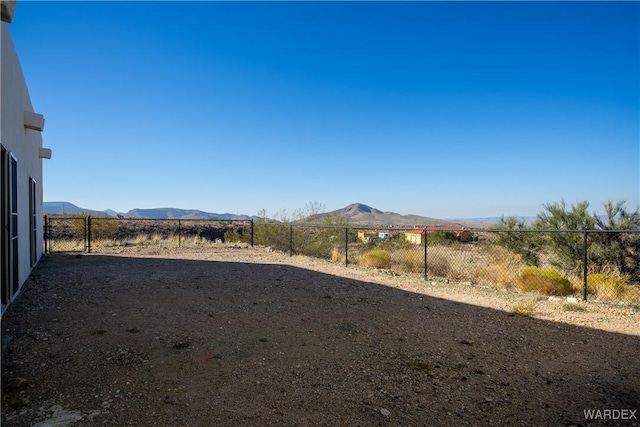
x=515, y=235
x=614, y=248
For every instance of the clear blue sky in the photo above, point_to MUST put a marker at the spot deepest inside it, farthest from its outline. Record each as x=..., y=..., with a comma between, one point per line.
x=443, y=109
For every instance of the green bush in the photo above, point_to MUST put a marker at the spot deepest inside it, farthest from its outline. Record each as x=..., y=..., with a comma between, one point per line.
x=544, y=281
x=276, y=235
x=442, y=236
x=232, y=236
x=376, y=258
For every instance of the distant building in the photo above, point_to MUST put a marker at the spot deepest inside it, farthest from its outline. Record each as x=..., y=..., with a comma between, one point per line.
x=21, y=228
x=416, y=235
x=371, y=236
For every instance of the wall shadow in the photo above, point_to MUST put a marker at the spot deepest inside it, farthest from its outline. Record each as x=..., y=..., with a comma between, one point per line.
x=139, y=341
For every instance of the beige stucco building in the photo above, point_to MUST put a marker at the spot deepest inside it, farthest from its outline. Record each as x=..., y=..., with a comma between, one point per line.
x=21, y=230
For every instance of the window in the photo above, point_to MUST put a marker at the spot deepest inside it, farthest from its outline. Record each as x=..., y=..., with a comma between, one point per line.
x=33, y=224
x=4, y=227
x=13, y=194
x=9, y=225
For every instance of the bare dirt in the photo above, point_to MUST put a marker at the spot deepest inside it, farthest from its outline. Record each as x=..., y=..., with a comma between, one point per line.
x=235, y=336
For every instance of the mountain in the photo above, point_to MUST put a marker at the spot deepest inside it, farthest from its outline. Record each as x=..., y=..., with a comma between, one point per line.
x=496, y=219
x=360, y=214
x=355, y=214
x=174, y=213
x=66, y=208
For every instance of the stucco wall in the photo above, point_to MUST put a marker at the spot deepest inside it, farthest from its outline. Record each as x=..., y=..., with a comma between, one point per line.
x=23, y=143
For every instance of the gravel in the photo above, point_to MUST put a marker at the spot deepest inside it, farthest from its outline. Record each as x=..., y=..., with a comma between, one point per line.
x=230, y=335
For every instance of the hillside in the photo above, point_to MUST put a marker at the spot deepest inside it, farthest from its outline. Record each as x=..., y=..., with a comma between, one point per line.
x=66, y=208
x=355, y=214
x=360, y=214
x=174, y=213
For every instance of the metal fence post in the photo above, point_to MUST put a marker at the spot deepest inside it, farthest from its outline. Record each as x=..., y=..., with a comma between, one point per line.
x=89, y=234
x=425, y=253
x=290, y=239
x=179, y=233
x=584, y=262
x=346, y=246
x=251, y=232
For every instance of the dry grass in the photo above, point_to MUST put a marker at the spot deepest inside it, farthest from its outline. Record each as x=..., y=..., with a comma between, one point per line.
x=376, y=258
x=138, y=240
x=573, y=306
x=500, y=269
x=337, y=255
x=409, y=260
x=524, y=308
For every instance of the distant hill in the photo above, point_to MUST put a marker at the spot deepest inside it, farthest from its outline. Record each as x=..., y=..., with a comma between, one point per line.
x=66, y=208
x=355, y=214
x=174, y=213
x=496, y=219
x=360, y=214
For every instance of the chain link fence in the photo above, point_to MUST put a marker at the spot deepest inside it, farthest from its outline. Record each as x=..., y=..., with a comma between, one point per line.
x=585, y=264
x=84, y=233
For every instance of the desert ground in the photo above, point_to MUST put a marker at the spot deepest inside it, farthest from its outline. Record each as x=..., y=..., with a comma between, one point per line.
x=228, y=335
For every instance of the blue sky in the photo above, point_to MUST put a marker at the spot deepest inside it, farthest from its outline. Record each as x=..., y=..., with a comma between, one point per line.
x=442, y=109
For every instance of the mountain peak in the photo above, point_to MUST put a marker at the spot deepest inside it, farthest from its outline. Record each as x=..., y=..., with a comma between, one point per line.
x=361, y=214
x=359, y=208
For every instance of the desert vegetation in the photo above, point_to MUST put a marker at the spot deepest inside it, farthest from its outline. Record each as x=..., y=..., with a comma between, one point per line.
x=545, y=257
x=562, y=238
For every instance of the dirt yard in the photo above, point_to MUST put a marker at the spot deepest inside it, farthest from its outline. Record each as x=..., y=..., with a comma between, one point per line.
x=234, y=336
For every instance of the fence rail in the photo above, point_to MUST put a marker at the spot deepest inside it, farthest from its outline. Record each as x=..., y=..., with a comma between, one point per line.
x=598, y=265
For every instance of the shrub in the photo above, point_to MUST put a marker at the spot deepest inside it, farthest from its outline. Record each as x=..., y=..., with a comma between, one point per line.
x=232, y=236
x=276, y=235
x=545, y=281
x=442, y=236
x=376, y=258
x=526, y=245
x=524, y=308
x=573, y=306
x=619, y=250
x=500, y=268
x=103, y=228
x=604, y=286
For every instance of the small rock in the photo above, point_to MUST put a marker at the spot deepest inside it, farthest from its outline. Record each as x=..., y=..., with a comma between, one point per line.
x=385, y=412
x=466, y=342
x=60, y=418
x=572, y=300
